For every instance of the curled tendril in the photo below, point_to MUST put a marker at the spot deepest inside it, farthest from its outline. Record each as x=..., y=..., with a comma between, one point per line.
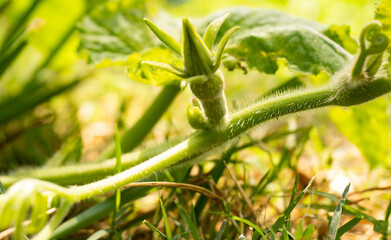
x=25, y=208
x=377, y=44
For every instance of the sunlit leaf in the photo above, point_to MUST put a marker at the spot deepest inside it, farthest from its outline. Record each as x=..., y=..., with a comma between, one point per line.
x=304, y=49
x=148, y=74
x=266, y=35
x=263, y=38
x=367, y=127
x=341, y=35
x=113, y=33
x=383, y=15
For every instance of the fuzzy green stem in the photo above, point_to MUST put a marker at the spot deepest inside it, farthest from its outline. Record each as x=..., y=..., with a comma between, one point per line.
x=206, y=140
x=87, y=172
x=240, y=122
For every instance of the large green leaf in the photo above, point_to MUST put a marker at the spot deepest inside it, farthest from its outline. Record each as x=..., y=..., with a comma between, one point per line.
x=367, y=127
x=265, y=36
x=383, y=15
x=249, y=18
x=304, y=49
x=111, y=32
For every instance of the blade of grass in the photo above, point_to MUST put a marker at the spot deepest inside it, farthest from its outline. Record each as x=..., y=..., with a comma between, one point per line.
x=332, y=235
x=221, y=231
x=20, y=25
x=2, y=190
x=347, y=226
x=260, y=183
x=280, y=221
x=118, y=167
x=293, y=195
x=242, y=220
x=134, y=136
x=190, y=223
x=154, y=229
x=4, y=5
x=386, y=221
x=165, y=218
x=21, y=104
x=241, y=191
x=216, y=173
x=8, y=58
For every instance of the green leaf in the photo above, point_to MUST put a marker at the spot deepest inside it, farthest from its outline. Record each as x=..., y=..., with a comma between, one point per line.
x=341, y=35
x=306, y=34
x=250, y=18
x=304, y=49
x=263, y=38
x=383, y=15
x=366, y=127
x=169, y=41
x=212, y=30
x=307, y=235
x=114, y=33
x=299, y=230
x=151, y=75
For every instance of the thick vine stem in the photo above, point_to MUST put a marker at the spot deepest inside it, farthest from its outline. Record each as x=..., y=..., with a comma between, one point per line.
x=206, y=140
x=378, y=43
x=200, y=143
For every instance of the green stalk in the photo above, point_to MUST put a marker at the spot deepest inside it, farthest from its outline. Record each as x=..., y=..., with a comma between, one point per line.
x=134, y=136
x=338, y=93
x=206, y=140
x=87, y=172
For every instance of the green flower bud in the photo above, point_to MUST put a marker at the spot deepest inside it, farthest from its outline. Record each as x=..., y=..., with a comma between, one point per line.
x=201, y=70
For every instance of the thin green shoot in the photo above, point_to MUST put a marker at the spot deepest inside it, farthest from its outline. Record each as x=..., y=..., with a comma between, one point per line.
x=165, y=218
x=349, y=225
x=242, y=220
x=333, y=229
x=221, y=231
x=189, y=221
x=154, y=229
x=280, y=221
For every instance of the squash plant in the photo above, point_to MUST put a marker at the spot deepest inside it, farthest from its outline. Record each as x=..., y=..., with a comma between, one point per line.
x=256, y=38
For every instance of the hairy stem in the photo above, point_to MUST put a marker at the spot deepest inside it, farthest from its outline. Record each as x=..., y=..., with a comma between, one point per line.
x=240, y=122
x=207, y=140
